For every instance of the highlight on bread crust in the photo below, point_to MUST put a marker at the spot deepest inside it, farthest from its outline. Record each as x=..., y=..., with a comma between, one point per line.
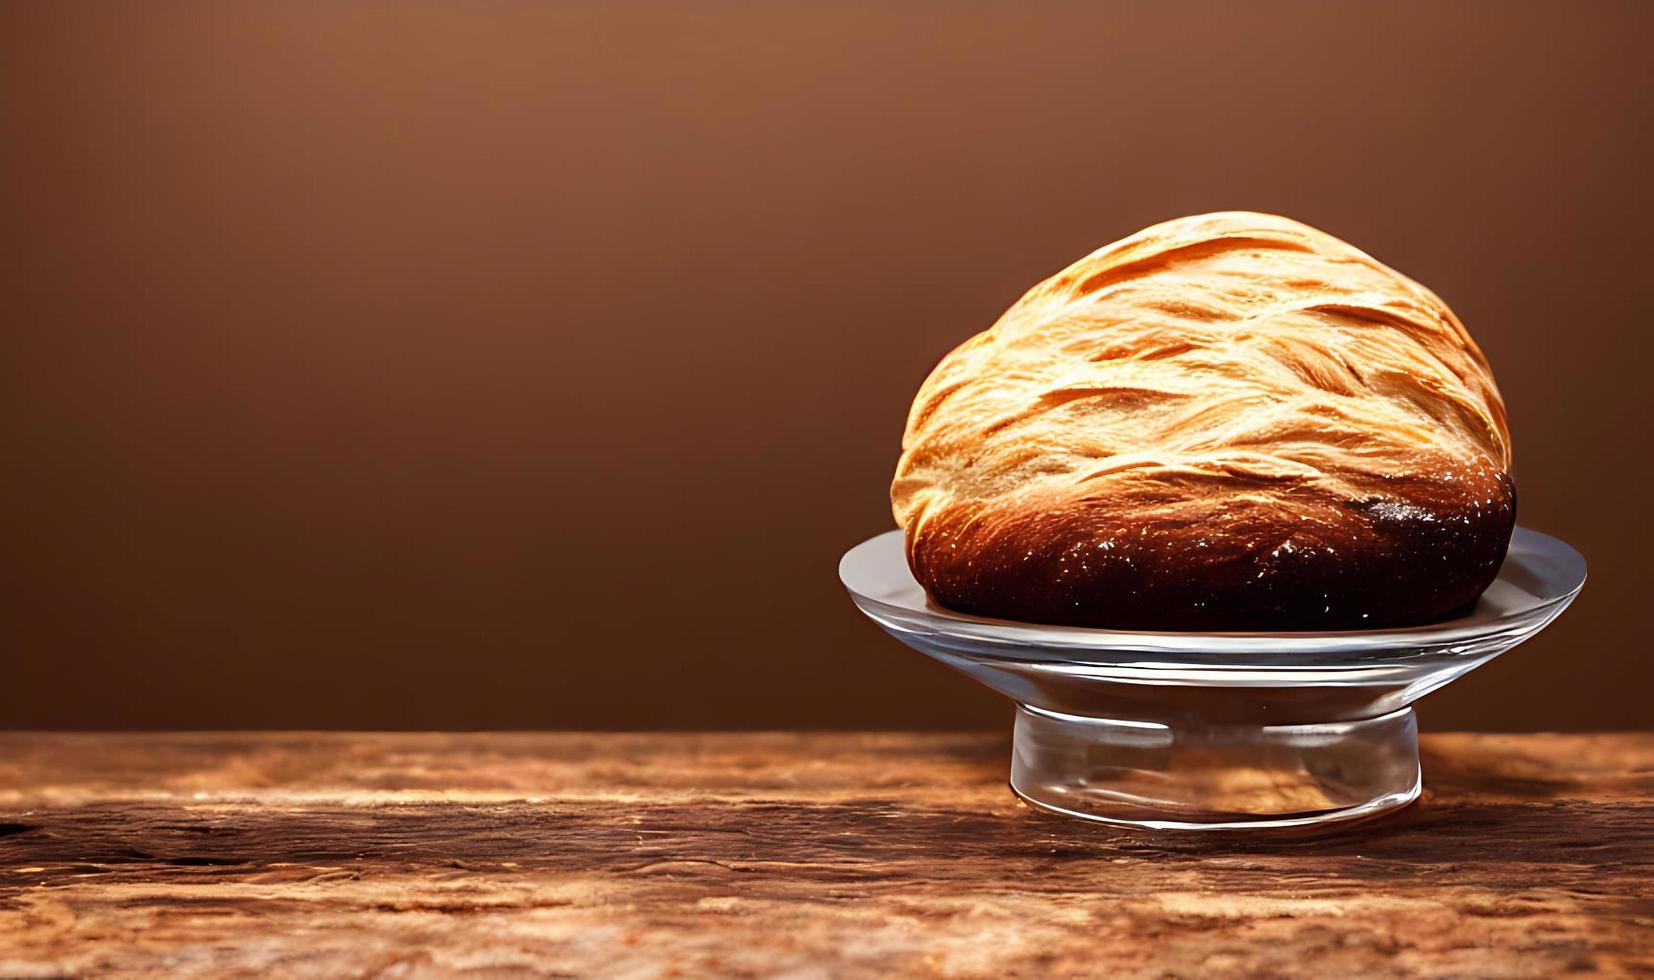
x=1224, y=422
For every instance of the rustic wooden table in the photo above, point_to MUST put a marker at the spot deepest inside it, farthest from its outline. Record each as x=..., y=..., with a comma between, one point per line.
x=806, y=855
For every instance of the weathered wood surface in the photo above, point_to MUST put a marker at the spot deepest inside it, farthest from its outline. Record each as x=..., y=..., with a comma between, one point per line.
x=802, y=855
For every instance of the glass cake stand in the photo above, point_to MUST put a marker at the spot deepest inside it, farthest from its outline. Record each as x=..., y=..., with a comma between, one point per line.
x=1216, y=730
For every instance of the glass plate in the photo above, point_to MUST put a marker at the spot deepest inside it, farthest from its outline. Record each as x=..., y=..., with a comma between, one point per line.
x=1216, y=730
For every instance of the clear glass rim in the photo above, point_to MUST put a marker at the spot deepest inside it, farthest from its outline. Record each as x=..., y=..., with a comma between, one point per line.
x=1540, y=576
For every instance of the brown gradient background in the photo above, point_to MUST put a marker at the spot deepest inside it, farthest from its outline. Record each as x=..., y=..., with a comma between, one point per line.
x=530, y=365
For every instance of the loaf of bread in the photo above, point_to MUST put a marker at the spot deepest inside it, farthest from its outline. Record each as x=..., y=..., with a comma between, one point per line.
x=1225, y=422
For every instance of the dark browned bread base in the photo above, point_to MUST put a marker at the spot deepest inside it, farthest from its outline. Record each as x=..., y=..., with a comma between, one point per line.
x=1313, y=564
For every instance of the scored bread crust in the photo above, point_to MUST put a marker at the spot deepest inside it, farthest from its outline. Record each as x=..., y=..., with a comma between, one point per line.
x=1225, y=422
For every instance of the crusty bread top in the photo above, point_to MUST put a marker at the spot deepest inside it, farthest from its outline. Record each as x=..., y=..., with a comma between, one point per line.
x=1228, y=353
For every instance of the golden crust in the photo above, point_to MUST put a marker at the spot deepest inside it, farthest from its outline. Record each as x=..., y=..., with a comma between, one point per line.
x=1233, y=384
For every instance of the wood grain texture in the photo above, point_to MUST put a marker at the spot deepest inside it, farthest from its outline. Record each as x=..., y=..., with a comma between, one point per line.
x=414, y=855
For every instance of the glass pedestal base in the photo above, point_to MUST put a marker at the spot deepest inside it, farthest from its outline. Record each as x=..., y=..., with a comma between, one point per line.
x=1214, y=776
